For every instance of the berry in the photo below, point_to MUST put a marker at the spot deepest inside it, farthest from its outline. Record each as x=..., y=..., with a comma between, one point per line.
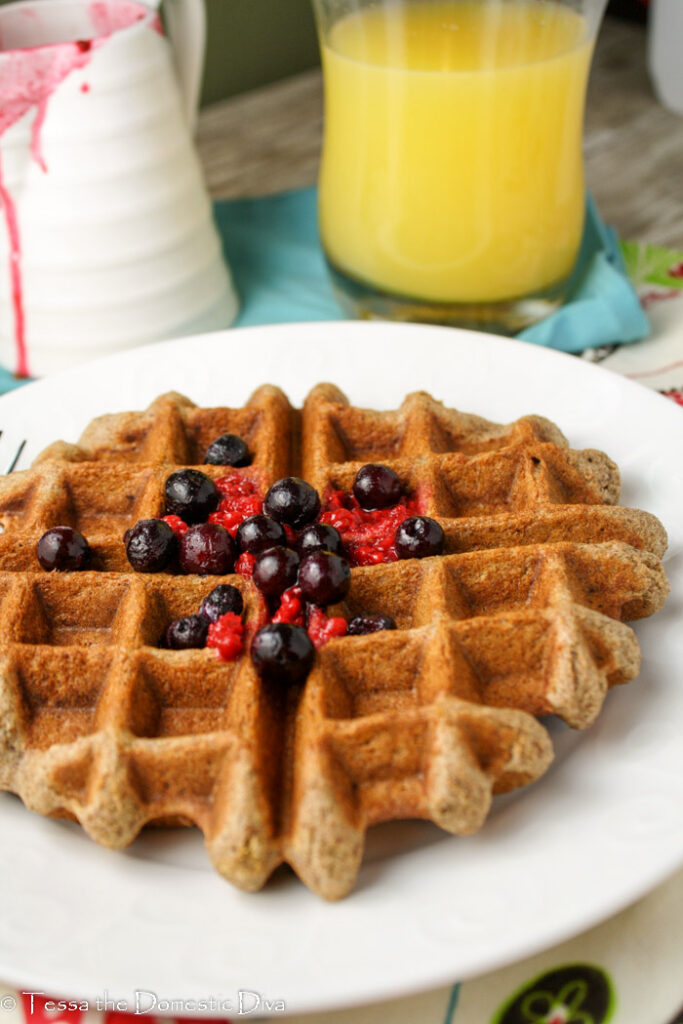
x=319, y=537
x=63, y=549
x=191, y=495
x=291, y=607
x=324, y=578
x=207, y=549
x=191, y=631
x=282, y=653
x=275, y=570
x=150, y=545
x=228, y=450
x=176, y=523
x=244, y=565
x=236, y=485
x=376, y=487
x=259, y=532
x=292, y=501
x=239, y=501
x=419, y=537
x=362, y=624
x=367, y=535
x=220, y=601
x=321, y=629
x=226, y=636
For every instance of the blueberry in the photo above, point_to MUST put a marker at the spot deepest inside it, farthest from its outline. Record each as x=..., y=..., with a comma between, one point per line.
x=183, y=634
x=362, y=624
x=275, y=570
x=259, y=532
x=419, y=537
x=324, y=578
x=228, y=450
x=319, y=537
x=220, y=601
x=207, y=549
x=191, y=495
x=63, y=549
x=376, y=486
x=282, y=653
x=292, y=501
x=150, y=545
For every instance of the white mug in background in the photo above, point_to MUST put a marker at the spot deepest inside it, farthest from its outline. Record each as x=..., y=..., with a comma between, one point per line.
x=106, y=233
x=665, y=48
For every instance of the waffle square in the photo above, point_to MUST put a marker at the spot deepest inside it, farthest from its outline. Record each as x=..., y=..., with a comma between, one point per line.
x=523, y=616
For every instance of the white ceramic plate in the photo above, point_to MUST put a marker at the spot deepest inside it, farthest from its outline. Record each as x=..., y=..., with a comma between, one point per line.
x=600, y=829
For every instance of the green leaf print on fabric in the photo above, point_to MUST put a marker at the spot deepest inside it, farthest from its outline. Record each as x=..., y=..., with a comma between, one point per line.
x=651, y=264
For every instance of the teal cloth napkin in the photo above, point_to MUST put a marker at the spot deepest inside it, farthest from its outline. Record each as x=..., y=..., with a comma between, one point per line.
x=273, y=249
x=602, y=308
x=274, y=253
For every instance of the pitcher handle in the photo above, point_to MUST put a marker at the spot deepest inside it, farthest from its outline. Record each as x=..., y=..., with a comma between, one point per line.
x=186, y=24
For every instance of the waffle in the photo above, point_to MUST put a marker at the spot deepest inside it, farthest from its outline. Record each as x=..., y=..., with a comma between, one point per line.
x=521, y=617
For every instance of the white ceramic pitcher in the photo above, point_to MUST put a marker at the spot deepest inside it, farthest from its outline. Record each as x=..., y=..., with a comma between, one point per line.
x=106, y=232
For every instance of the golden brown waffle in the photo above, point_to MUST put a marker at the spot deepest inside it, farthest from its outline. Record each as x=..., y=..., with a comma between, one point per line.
x=522, y=616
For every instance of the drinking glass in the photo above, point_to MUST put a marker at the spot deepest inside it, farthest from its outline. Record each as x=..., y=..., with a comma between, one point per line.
x=451, y=181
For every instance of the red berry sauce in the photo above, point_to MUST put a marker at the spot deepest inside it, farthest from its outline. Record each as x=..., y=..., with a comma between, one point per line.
x=227, y=636
x=240, y=499
x=178, y=525
x=244, y=566
x=290, y=534
x=368, y=537
x=321, y=628
x=291, y=608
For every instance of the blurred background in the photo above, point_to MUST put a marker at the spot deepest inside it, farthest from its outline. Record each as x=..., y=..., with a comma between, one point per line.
x=288, y=46
x=253, y=42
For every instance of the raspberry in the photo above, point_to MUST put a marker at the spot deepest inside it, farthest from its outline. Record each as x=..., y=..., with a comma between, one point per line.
x=341, y=519
x=244, y=565
x=178, y=525
x=366, y=554
x=227, y=636
x=236, y=485
x=249, y=506
x=336, y=626
x=230, y=521
x=368, y=536
x=290, y=535
x=232, y=512
x=335, y=499
x=321, y=629
x=291, y=608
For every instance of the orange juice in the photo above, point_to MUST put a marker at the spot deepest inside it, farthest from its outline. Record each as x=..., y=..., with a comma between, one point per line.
x=452, y=166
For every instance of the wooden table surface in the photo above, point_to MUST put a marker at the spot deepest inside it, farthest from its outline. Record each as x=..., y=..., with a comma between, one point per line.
x=268, y=140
